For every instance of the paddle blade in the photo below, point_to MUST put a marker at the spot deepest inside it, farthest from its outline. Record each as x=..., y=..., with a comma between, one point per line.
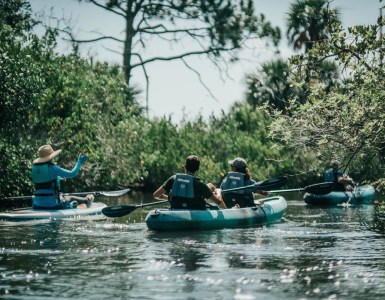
x=115, y=193
x=319, y=188
x=100, y=193
x=271, y=184
x=118, y=211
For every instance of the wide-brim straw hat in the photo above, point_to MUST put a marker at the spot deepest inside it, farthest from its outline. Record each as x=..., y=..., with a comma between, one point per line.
x=46, y=153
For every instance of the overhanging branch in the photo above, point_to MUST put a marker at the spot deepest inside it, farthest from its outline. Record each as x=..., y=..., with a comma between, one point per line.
x=208, y=51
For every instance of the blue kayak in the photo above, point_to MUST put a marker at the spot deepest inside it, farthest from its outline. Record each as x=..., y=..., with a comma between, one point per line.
x=363, y=194
x=213, y=218
x=29, y=214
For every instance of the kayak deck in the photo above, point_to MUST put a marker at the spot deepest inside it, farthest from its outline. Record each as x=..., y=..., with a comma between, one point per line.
x=361, y=195
x=93, y=212
x=180, y=219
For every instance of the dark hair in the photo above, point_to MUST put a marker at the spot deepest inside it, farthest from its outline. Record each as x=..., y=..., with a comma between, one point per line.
x=192, y=163
x=244, y=170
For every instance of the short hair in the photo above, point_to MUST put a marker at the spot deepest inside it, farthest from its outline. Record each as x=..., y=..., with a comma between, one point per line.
x=192, y=163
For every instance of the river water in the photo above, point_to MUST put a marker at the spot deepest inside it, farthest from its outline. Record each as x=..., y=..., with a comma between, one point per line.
x=314, y=253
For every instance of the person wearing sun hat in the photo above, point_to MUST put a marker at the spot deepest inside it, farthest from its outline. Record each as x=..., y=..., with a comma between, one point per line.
x=239, y=176
x=46, y=177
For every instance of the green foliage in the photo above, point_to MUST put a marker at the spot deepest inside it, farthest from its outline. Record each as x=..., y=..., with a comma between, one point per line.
x=20, y=81
x=270, y=86
x=65, y=101
x=348, y=121
x=17, y=15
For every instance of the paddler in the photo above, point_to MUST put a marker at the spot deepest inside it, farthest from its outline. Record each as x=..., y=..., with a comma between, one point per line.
x=46, y=176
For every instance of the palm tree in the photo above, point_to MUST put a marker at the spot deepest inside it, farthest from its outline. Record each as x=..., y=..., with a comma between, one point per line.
x=308, y=22
x=270, y=85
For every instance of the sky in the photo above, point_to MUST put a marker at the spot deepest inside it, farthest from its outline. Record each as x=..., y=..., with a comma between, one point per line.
x=174, y=90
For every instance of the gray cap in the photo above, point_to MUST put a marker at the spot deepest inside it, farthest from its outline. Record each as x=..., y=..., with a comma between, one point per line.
x=238, y=162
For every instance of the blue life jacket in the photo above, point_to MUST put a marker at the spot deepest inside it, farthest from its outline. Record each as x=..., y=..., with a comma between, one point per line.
x=330, y=176
x=44, y=184
x=182, y=194
x=242, y=198
x=183, y=186
x=234, y=180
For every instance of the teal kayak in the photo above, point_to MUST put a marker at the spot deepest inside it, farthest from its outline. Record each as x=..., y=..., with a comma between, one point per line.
x=29, y=214
x=363, y=194
x=213, y=218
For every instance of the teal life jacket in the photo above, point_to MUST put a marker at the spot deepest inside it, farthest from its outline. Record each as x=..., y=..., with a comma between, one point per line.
x=42, y=180
x=330, y=176
x=234, y=180
x=182, y=194
x=183, y=186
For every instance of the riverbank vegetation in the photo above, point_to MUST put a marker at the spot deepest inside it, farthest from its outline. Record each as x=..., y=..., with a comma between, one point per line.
x=292, y=122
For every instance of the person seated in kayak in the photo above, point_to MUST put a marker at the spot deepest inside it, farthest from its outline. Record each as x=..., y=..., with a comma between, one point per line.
x=46, y=176
x=186, y=190
x=333, y=174
x=239, y=176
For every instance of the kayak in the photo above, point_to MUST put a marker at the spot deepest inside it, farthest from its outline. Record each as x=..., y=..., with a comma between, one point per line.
x=363, y=194
x=214, y=218
x=30, y=214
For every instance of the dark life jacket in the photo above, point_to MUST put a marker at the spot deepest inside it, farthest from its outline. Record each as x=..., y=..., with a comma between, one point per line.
x=234, y=180
x=183, y=195
x=240, y=198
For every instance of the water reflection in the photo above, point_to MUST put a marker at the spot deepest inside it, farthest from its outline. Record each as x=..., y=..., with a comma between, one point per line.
x=315, y=253
x=378, y=224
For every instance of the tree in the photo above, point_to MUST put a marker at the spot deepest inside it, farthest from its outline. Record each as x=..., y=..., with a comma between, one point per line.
x=214, y=28
x=308, y=22
x=17, y=15
x=348, y=121
x=271, y=85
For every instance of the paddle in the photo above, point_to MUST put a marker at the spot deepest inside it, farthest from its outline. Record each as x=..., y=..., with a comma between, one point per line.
x=98, y=193
x=317, y=188
x=262, y=185
x=101, y=193
x=122, y=210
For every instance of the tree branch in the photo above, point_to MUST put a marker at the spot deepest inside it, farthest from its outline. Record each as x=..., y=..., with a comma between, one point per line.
x=212, y=50
x=107, y=8
x=200, y=80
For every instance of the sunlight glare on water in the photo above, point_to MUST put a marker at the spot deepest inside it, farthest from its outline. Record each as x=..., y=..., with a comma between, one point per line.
x=314, y=253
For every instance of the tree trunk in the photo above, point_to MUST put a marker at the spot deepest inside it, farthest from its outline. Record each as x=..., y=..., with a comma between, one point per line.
x=128, y=42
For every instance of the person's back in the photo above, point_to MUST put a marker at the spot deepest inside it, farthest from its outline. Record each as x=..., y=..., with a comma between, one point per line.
x=47, y=185
x=239, y=176
x=46, y=177
x=186, y=191
x=333, y=174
